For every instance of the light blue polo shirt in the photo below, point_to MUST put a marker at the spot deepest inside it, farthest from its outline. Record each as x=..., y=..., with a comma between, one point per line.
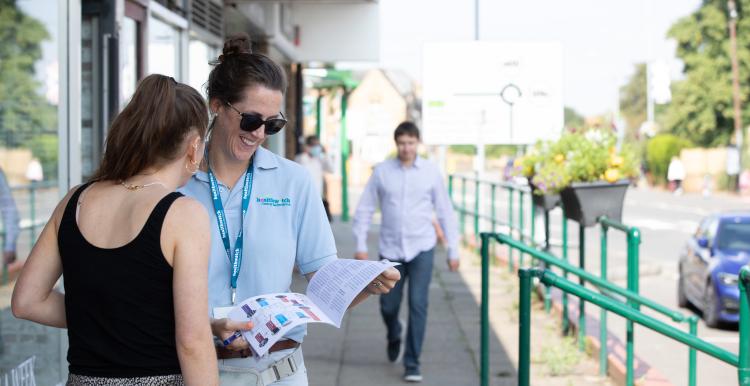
x=285, y=226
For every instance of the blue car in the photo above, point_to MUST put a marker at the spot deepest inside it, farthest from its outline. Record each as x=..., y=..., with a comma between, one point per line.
x=710, y=264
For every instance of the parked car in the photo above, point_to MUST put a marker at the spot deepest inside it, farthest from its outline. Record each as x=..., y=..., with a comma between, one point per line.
x=709, y=267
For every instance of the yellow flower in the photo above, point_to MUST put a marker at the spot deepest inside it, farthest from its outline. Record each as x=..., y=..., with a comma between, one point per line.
x=518, y=162
x=559, y=158
x=615, y=161
x=612, y=175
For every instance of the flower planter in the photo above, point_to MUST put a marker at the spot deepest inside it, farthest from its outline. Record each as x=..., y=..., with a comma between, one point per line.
x=585, y=202
x=546, y=202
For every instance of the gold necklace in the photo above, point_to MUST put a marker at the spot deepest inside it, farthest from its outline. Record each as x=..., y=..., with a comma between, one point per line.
x=138, y=187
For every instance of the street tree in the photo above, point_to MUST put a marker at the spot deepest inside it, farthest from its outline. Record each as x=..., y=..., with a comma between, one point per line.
x=24, y=113
x=633, y=99
x=701, y=108
x=573, y=119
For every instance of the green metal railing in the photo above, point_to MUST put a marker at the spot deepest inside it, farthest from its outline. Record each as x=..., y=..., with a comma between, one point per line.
x=516, y=225
x=743, y=368
x=516, y=215
x=741, y=361
x=609, y=289
x=525, y=242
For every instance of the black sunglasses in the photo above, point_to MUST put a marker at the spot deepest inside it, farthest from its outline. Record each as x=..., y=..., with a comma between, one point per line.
x=251, y=122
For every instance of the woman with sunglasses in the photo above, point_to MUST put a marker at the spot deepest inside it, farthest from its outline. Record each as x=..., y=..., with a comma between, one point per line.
x=266, y=215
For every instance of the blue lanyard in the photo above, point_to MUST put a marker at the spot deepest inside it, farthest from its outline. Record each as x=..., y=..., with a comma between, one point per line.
x=235, y=259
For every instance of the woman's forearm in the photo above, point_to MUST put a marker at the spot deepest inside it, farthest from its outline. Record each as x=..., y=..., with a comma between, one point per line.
x=49, y=311
x=198, y=360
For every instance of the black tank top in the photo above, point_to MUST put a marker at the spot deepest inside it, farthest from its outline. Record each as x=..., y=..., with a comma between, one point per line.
x=118, y=302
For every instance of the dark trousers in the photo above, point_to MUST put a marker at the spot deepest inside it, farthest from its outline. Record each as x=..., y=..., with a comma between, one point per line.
x=419, y=273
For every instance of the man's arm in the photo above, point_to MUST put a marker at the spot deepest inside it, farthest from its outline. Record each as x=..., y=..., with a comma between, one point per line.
x=447, y=219
x=363, y=215
x=10, y=219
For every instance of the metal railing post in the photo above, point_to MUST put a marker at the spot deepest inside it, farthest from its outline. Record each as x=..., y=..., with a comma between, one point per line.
x=603, y=312
x=533, y=226
x=492, y=218
x=565, y=318
x=463, y=208
x=634, y=241
x=510, y=228
x=547, y=289
x=485, y=328
x=524, y=326
x=743, y=367
x=692, y=365
x=476, y=209
x=581, y=302
x=521, y=226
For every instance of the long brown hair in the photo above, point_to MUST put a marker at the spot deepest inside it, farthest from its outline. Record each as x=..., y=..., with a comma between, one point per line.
x=238, y=68
x=151, y=128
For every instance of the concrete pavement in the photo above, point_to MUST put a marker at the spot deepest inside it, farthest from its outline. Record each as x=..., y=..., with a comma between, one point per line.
x=356, y=353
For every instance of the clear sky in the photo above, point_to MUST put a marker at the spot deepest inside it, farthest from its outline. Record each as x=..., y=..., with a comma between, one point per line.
x=602, y=39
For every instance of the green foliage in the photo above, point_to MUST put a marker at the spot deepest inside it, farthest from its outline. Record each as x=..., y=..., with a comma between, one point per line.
x=701, y=108
x=660, y=150
x=23, y=112
x=463, y=149
x=573, y=119
x=44, y=147
x=562, y=357
x=633, y=100
x=490, y=151
x=581, y=156
x=497, y=151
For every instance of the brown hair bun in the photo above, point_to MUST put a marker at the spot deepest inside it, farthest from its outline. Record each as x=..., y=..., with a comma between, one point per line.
x=235, y=45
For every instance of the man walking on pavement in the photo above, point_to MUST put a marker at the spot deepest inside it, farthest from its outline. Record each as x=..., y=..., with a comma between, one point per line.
x=410, y=192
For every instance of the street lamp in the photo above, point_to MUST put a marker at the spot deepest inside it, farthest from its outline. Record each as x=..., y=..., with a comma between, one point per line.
x=738, y=134
x=510, y=95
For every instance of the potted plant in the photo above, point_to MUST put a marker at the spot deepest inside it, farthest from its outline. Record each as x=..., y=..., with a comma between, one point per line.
x=589, y=172
x=528, y=166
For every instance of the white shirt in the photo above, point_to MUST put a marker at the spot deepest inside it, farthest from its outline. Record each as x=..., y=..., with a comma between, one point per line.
x=409, y=198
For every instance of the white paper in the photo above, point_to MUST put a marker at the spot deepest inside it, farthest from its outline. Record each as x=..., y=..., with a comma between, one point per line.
x=336, y=285
x=329, y=294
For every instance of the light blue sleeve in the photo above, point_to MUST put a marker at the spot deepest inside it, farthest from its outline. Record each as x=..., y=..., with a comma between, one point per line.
x=9, y=214
x=315, y=243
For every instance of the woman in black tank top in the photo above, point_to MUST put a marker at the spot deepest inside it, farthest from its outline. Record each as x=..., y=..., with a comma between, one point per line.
x=133, y=254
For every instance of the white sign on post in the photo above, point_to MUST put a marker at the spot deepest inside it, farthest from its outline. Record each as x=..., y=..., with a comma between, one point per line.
x=492, y=92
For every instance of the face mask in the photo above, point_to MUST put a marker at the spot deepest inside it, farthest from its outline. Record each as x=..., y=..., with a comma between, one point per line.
x=315, y=151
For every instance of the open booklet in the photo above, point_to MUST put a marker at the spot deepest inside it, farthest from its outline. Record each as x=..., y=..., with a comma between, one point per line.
x=329, y=294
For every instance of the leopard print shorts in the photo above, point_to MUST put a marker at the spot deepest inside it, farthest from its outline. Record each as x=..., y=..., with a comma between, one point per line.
x=160, y=380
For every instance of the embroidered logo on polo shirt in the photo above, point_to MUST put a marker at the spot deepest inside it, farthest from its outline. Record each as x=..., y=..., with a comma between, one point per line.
x=270, y=201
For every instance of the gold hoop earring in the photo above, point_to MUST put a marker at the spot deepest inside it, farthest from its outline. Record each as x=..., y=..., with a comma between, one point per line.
x=195, y=167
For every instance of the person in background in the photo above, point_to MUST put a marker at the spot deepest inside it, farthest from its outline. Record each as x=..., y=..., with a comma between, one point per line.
x=10, y=220
x=316, y=161
x=266, y=214
x=410, y=193
x=133, y=252
x=675, y=175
